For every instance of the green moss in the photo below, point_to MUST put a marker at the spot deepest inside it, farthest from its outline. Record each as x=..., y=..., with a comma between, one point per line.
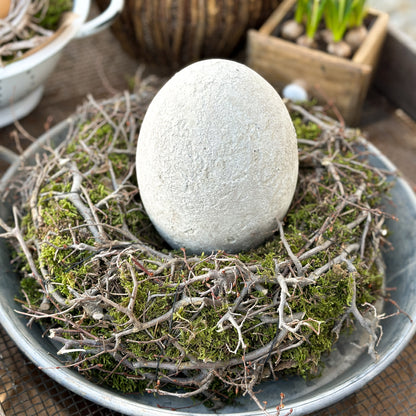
x=98, y=192
x=31, y=289
x=194, y=328
x=305, y=130
x=114, y=376
x=203, y=337
x=53, y=15
x=119, y=162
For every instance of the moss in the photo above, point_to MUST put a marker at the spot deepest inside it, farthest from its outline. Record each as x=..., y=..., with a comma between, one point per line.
x=203, y=336
x=305, y=130
x=112, y=375
x=98, y=192
x=194, y=329
x=54, y=13
x=63, y=267
x=31, y=288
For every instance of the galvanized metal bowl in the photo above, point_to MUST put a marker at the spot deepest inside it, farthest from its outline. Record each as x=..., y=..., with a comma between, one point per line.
x=22, y=82
x=348, y=368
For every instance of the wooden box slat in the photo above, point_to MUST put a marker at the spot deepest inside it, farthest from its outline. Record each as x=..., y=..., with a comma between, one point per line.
x=369, y=51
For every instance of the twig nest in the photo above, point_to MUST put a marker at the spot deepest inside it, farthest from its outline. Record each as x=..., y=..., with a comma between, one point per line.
x=217, y=158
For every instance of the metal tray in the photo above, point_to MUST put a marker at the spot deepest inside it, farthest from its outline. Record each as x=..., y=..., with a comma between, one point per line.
x=348, y=368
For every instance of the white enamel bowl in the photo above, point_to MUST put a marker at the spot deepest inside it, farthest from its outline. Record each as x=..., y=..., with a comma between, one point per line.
x=22, y=82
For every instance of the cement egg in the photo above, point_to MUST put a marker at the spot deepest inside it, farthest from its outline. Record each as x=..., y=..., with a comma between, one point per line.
x=217, y=158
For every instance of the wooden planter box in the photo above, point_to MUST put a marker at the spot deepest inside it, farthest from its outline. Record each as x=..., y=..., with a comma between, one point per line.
x=343, y=82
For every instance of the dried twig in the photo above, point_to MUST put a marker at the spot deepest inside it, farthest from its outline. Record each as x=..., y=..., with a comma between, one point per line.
x=21, y=31
x=118, y=291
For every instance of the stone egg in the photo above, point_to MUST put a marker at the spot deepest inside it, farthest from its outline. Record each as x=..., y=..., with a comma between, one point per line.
x=217, y=158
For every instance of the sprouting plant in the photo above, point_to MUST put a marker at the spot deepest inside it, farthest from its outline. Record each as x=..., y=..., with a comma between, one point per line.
x=301, y=10
x=292, y=29
x=314, y=12
x=358, y=13
x=337, y=17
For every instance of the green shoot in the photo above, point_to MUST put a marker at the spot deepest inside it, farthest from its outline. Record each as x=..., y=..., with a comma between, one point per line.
x=337, y=17
x=301, y=10
x=358, y=13
x=314, y=14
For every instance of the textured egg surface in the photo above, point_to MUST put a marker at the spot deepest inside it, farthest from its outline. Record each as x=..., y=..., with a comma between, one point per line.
x=217, y=158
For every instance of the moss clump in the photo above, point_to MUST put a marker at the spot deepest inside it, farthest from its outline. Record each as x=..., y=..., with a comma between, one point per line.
x=51, y=18
x=31, y=289
x=148, y=318
x=305, y=129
